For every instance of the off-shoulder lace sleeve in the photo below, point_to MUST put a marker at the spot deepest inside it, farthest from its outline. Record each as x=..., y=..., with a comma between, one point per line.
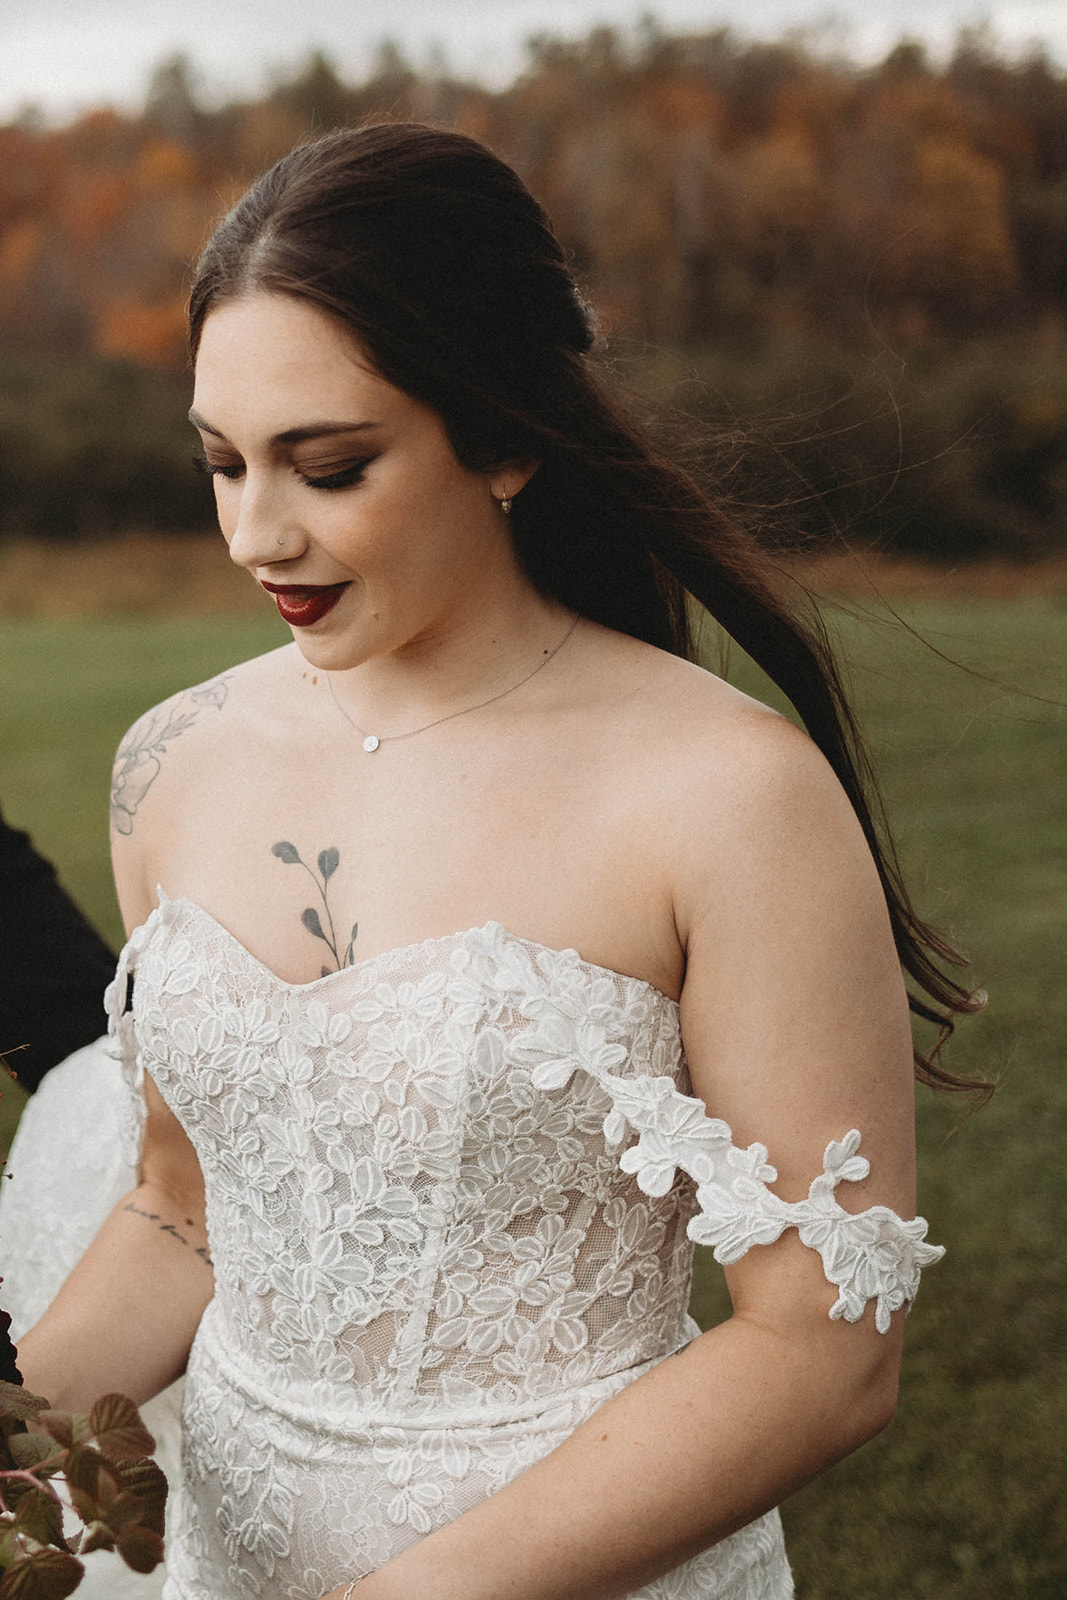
x=122, y=1047
x=869, y=1255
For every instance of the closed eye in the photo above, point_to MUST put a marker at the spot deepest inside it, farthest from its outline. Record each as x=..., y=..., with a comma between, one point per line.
x=218, y=469
x=341, y=479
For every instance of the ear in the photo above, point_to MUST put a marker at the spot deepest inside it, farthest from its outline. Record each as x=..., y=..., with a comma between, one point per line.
x=509, y=480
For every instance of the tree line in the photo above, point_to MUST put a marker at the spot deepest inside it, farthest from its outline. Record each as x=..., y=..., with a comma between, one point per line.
x=853, y=279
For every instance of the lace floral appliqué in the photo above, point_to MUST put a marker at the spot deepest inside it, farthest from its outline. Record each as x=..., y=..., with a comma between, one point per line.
x=870, y=1255
x=452, y=1196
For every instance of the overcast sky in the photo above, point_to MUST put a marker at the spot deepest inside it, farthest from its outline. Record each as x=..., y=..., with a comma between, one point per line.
x=64, y=55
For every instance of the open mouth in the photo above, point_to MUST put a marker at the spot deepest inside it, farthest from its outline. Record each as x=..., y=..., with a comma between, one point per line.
x=301, y=605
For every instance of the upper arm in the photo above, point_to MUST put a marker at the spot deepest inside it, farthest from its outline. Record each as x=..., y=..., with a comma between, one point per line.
x=134, y=773
x=154, y=764
x=169, y=1163
x=794, y=1013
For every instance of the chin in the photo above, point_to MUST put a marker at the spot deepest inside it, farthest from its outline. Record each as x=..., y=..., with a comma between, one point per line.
x=329, y=655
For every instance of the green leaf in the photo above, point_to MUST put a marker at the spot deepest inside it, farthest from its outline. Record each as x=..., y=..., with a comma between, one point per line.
x=141, y=1548
x=41, y=1517
x=286, y=852
x=30, y=1449
x=328, y=860
x=16, y=1488
x=44, y=1575
x=66, y=1427
x=19, y=1403
x=59, y=1426
x=310, y=919
x=116, y=1426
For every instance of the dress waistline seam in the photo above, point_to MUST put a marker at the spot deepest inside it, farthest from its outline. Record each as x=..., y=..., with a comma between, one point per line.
x=435, y=1413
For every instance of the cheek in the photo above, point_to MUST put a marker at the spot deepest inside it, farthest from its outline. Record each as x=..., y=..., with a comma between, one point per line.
x=386, y=526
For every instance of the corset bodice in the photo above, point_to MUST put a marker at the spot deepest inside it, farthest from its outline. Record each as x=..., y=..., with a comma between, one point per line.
x=410, y=1191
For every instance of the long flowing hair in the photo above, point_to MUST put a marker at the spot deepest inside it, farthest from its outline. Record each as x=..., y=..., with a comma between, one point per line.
x=433, y=253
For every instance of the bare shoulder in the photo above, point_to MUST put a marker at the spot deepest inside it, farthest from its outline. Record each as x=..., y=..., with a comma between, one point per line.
x=736, y=792
x=163, y=753
x=699, y=736
x=144, y=747
x=184, y=728
x=738, y=765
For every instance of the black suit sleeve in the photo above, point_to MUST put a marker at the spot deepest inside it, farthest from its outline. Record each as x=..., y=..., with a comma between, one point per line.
x=54, y=966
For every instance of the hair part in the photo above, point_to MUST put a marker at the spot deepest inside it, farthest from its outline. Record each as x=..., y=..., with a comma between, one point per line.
x=435, y=256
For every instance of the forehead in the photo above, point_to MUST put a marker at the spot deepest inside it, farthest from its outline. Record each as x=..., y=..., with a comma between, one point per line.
x=261, y=357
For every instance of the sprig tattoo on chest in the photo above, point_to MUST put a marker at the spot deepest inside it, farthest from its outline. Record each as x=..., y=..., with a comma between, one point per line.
x=327, y=864
x=138, y=761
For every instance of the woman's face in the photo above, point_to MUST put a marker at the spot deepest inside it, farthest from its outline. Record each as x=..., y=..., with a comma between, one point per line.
x=340, y=494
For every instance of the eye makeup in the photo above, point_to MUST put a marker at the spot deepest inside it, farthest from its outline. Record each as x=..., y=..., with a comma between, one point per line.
x=217, y=469
x=344, y=475
x=341, y=469
x=337, y=474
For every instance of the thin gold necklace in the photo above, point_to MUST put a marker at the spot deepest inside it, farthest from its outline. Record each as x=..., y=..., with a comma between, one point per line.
x=371, y=741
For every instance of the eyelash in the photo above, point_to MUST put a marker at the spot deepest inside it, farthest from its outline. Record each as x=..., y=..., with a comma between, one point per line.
x=344, y=479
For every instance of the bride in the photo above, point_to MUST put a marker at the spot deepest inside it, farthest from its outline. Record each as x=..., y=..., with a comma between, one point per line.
x=487, y=952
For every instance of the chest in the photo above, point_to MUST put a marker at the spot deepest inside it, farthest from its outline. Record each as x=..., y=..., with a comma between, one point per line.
x=319, y=863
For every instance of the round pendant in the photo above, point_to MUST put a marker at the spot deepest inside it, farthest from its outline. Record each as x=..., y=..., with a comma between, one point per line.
x=371, y=742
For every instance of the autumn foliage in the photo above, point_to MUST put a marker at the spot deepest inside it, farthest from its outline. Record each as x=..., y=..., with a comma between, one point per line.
x=874, y=256
x=107, y=1483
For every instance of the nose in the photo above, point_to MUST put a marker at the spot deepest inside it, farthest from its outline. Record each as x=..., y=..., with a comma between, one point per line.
x=261, y=530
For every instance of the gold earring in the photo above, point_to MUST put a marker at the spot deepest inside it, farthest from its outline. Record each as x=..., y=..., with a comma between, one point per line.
x=505, y=504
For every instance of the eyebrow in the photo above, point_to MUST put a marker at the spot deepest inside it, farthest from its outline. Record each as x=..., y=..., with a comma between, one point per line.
x=311, y=430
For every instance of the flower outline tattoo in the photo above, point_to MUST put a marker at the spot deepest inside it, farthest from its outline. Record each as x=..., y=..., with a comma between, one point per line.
x=139, y=757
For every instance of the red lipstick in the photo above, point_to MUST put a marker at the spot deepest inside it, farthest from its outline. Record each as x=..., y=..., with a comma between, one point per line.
x=303, y=604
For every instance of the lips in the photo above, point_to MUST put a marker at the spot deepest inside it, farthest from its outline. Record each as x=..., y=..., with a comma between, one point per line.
x=302, y=605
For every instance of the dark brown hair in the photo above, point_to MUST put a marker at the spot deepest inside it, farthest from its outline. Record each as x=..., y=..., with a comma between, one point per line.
x=438, y=259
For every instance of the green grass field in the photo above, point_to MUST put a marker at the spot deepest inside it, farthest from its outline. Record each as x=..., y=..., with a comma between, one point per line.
x=963, y=1497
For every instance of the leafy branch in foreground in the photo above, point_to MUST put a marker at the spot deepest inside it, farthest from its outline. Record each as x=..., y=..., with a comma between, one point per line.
x=107, y=1479
x=115, y=1490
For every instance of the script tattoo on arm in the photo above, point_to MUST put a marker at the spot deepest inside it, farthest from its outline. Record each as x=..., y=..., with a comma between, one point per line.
x=327, y=864
x=169, y=1227
x=138, y=761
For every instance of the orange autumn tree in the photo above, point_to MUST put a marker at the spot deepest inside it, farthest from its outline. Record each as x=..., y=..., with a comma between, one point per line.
x=777, y=215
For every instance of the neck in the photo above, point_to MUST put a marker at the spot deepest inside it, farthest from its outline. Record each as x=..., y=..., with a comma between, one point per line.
x=452, y=667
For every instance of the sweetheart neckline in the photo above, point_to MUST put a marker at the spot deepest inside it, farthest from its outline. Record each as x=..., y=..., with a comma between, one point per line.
x=490, y=926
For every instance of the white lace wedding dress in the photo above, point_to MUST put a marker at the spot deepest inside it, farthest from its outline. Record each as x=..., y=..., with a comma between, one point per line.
x=438, y=1246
